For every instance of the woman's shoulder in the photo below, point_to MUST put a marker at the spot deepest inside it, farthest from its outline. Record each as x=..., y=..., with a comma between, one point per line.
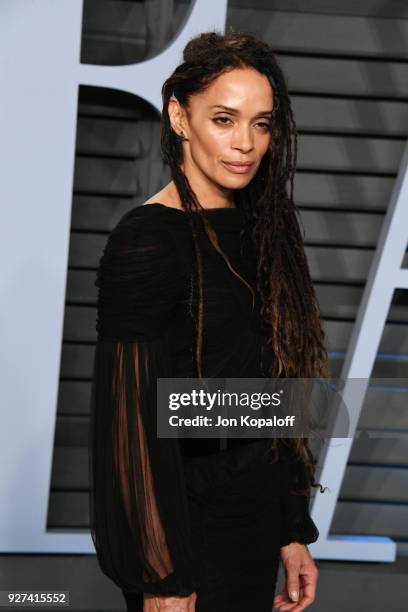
x=139, y=276
x=143, y=222
x=143, y=214
x=141, y=249
x=141, y=238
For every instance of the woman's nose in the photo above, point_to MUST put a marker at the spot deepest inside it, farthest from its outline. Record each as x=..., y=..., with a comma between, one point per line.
x=242, y=139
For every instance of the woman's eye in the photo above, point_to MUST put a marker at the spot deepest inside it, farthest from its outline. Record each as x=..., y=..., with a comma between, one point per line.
x=222, y=119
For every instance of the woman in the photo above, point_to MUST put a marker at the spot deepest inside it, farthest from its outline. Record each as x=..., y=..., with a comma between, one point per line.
x=207, y=279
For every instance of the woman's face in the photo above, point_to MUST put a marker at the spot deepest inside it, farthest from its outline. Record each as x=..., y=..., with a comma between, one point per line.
x=228, y=123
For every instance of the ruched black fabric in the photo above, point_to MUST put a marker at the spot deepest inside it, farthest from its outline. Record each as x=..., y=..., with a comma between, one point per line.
x=178, y=516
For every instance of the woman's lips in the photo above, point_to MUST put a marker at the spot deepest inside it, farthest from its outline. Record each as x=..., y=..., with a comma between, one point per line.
x=238, y=168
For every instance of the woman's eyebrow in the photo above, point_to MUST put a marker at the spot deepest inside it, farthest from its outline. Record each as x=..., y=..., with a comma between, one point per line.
x=236, y=111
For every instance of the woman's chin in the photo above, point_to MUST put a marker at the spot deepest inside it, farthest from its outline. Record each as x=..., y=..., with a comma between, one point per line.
x=238, y=181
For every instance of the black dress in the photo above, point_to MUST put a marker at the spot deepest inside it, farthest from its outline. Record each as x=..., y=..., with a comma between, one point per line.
x=173, y=516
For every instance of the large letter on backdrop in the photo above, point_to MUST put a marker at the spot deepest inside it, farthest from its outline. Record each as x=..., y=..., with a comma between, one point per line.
x=40, y=73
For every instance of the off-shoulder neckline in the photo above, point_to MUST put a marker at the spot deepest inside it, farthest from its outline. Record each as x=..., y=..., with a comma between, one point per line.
x=183, y=212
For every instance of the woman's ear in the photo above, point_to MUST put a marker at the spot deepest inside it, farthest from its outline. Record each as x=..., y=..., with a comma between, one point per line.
x=177, y=118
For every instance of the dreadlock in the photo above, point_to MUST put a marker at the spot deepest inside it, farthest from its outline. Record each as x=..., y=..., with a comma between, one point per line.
x=288, y=301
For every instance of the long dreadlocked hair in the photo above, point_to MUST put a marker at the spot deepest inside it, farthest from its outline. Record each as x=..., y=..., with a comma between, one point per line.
x=288, y=301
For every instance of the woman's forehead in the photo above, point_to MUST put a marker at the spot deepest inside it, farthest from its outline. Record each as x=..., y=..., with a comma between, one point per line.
x=238, y=89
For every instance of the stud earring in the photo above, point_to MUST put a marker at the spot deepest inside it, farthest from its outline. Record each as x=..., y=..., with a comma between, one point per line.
x=182, y=136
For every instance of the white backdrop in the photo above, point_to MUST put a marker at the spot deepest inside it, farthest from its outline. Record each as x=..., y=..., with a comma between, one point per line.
x=40, y=73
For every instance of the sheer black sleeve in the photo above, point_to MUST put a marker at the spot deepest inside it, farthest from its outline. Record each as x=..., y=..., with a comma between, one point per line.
x=138, y=508
x=297, y=524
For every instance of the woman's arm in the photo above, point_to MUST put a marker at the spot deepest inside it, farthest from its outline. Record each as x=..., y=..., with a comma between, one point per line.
x=298, y=530
x=297, y=524
x=138, y=504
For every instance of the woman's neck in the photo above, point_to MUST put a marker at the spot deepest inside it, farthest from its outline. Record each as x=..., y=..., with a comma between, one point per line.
x=207, y=194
